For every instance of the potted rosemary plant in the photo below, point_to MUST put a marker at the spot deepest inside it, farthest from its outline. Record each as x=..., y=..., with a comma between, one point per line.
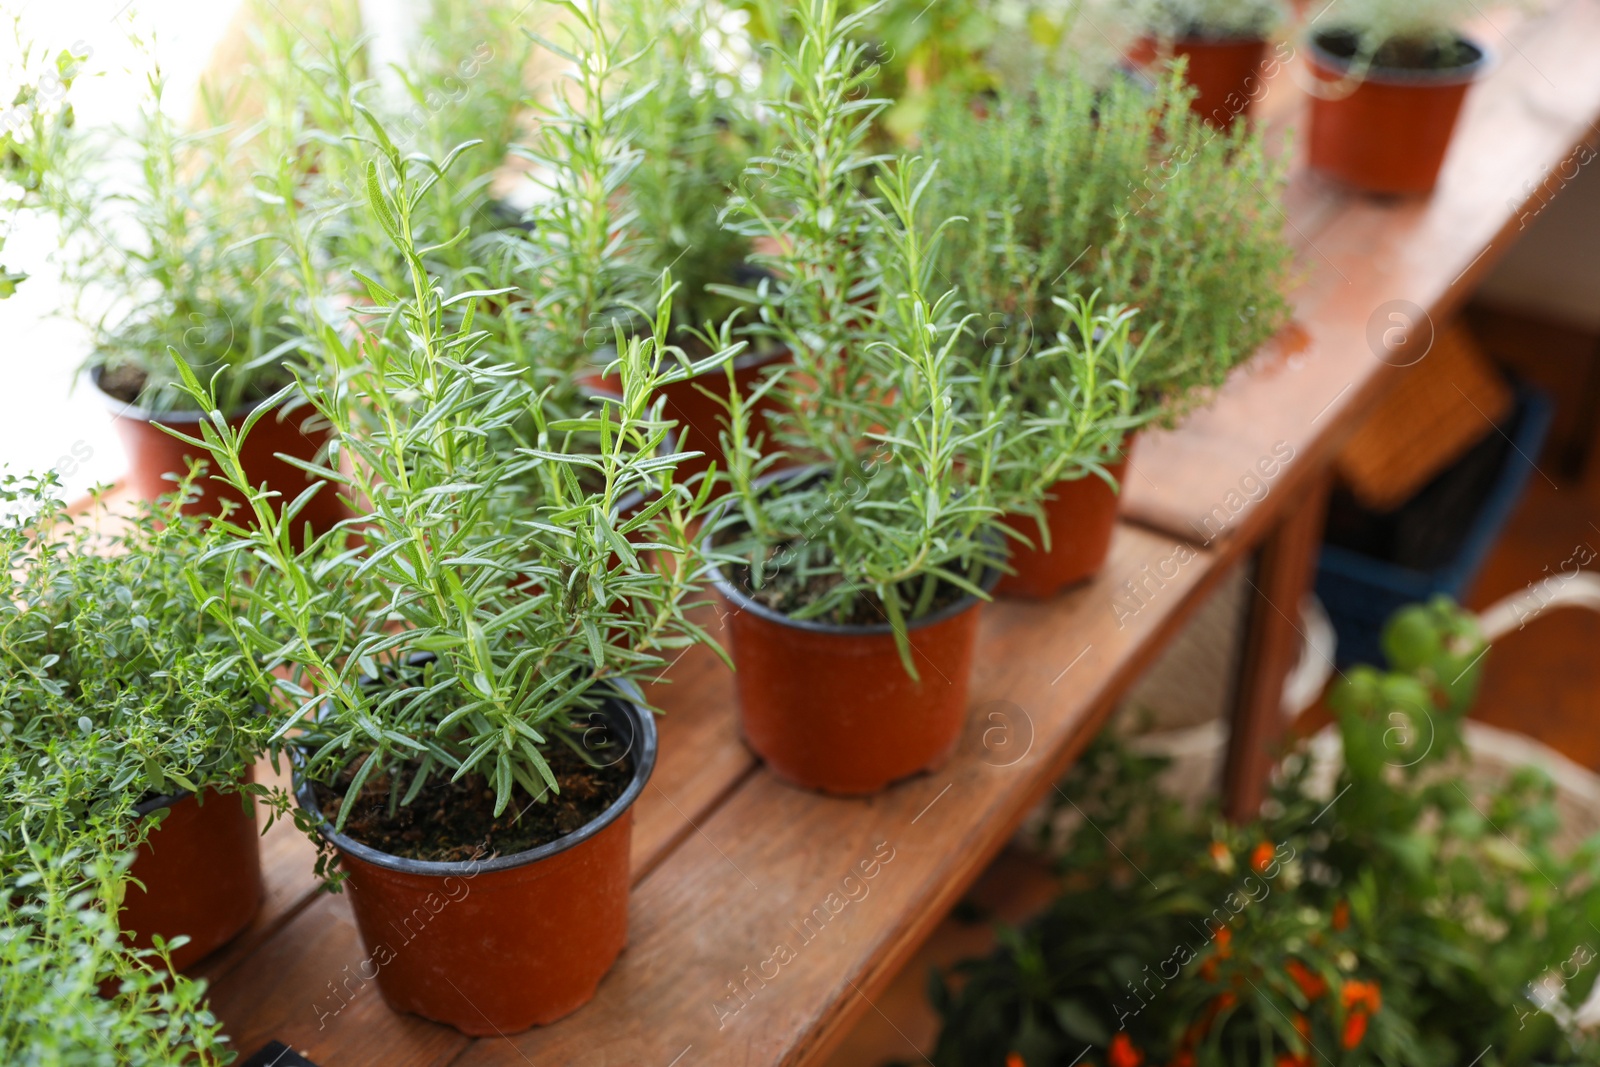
x=851, y=583
x=126, y=717
x=1390, y=82
x=1071, y=188
x=1223, y=43
x=173, y=262
x=457, y=687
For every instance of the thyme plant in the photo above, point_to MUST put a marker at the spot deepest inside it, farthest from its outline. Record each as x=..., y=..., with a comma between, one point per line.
x=515, y=571
x=60, y=946
x=116, y=687
x=1072, y=187
x=897, y=514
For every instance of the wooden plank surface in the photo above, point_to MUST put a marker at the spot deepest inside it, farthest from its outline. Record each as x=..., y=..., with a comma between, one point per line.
x=1359, y=253
x=731, y=905
x=731, y=863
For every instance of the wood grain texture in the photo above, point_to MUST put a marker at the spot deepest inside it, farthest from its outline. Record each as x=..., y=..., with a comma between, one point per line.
x=810, y=904
x=1357, y=254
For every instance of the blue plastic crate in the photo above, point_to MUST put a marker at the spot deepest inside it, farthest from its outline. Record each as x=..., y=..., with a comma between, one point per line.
x=1361, y=592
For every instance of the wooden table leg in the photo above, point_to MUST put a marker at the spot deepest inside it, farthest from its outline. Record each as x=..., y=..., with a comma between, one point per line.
x=1285, y=570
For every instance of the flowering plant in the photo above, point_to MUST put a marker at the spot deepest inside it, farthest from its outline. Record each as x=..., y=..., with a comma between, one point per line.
x=1387, y=916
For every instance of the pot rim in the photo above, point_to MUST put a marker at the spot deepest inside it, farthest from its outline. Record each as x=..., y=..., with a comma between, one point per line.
x=744, y=602
x=1463, y=74
x=123, y=409
x=643, y=752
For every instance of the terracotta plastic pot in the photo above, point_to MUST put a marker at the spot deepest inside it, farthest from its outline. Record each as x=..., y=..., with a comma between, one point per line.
x=1082, y=516
x=700, y=418
x=1220, y=70
x=1390, y=132
x=153, y=453
x=497, y=945
x=201, y=871
x=831, y=708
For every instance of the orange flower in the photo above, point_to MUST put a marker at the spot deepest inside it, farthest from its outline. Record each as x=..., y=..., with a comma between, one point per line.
x=1221, y=856
x=1224, y=941
x=1302, y=1026
x=1310, y=983
x=1261, y=858
x=1123, y=1053
x=1014, y=1059
x=1225, y=1001
x=1341, y=915
x=1355, y=1028
x=1356, y=992
x=1184, y=1058
x=1208, y=969
x=1289, y=1059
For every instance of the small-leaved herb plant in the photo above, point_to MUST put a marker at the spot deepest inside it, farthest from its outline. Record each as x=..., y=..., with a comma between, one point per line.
x=492, y=589
x=116, y=688
x=1076, y=188
x=896, y=515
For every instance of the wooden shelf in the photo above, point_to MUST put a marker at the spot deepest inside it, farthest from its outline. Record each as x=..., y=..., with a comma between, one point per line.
x=729, y=862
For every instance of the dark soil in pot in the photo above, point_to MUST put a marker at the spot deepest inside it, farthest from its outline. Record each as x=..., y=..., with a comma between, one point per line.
x=201, y=872
x=1387, y=129
x=1226, y=73
x=152, y=453
x=1082, y=517
x=496, y=941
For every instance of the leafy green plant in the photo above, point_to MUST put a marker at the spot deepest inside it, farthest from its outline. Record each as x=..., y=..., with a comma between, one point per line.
x=60, y=946
x=518, y=569
x=1071, y=187
x=918, y=49
x=1069, y=407
x=695, y=132
x=168, y=260
x=1397, y=915
x=899, y=511
x=116, y=687
x=32, y=127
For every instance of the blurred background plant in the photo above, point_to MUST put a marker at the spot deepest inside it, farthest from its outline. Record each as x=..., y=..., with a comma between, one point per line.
x=1378, y=910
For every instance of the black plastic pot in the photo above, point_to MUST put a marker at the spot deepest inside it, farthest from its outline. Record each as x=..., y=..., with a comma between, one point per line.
x=497, y=945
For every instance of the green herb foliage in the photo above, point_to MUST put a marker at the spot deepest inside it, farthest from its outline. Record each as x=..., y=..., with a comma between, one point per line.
x=1073, y=188
x=901, y=503
x=519, y=566
x=1398, y=915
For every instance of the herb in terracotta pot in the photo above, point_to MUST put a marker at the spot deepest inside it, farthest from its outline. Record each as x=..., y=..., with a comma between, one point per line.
x=172, y=260
x=72, y=991
x=852, y=583
x=458, y=687
x=1075, y=188
x=1391, y=79
x=126, y=715
x=1073, y=412
x=1223, y=44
